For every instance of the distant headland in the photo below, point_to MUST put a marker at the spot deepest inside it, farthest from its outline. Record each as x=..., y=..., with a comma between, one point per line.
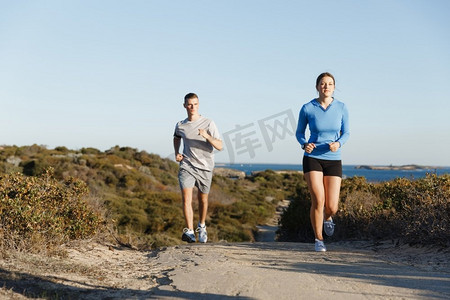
x=391, y=167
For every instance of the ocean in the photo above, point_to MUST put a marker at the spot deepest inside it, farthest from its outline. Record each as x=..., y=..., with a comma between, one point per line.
x=347, y=170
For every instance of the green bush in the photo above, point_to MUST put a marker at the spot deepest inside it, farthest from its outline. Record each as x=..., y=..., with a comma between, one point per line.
x=413, y=211
x=40, y=211
x=34, y=167
x=425, y=217
x=62, y=149
x=90, y=150
x=295, y=222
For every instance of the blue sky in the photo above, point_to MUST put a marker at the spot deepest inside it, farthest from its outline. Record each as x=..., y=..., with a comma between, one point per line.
x=105, y=73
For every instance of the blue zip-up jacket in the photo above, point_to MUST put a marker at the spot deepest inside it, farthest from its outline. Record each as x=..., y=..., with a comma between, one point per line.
x=325, y=125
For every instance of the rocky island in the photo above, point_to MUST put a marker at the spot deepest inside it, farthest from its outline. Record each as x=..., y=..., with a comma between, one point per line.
x=391, y=167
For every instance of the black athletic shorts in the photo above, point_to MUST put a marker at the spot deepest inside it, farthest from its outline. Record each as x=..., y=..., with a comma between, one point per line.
x=328, y=167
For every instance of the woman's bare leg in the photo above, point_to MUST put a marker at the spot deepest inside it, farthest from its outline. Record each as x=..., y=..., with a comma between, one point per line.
x=316, y=187
x=332, y=186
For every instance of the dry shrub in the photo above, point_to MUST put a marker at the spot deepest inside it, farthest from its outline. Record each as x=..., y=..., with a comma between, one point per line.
x=426, y=216
x=355, y=216
x=413, y=211
x=39, y=213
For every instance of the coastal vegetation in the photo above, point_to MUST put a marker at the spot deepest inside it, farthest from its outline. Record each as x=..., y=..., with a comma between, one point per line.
x=40, y=212
x=404, y=210
x=127, y=195
x=49, y=197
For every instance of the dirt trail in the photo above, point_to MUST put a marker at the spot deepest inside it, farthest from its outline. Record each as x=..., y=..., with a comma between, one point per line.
x=293, y=271
x=261, y=270
x=267, y=232
x=230, y=270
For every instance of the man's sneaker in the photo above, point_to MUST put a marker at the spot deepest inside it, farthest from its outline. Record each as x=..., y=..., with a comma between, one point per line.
x=320, y=246
x=188, y=235
x=328, y=227
x=202, y=234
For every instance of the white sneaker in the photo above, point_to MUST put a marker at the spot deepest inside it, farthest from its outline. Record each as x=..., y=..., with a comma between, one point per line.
x=188, y=235
x=202, y=234
x=320, y=246
x=328, y=227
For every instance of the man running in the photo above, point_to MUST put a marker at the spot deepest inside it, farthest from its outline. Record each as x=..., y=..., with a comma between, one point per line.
x=200, y=137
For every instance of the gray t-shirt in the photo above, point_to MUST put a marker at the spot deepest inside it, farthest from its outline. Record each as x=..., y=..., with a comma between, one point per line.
x=197, y=151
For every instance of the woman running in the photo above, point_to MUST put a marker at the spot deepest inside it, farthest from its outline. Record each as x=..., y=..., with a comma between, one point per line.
x=327, y=119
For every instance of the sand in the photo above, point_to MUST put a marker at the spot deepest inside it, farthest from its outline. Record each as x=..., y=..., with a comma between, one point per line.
x=260, y=270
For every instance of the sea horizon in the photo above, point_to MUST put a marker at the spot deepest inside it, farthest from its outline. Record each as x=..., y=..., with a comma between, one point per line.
x=353, y=164
x=347, y=170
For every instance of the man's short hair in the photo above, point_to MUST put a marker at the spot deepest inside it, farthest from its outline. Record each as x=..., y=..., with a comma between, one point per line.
x=190, y=96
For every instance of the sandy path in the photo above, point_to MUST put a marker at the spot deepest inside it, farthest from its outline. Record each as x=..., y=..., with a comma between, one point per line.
x=261, y=270
x=293, y=271
x=222, y=271
x=267, y=232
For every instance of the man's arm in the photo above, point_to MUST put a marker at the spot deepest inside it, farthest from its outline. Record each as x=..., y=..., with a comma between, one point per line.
x=216, y=143
x=176, y=147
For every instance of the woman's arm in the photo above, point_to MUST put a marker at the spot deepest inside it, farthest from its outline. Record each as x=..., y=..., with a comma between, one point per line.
x=345, y=127
x=301, y=127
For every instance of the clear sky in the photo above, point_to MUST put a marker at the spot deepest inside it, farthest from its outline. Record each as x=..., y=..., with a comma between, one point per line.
x=105, y=73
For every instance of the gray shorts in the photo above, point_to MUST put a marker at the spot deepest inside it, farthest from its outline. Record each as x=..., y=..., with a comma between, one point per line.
x=190, y=177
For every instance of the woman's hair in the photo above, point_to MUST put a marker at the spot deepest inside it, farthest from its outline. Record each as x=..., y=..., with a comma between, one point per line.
x=325, y=74
x=190, y=96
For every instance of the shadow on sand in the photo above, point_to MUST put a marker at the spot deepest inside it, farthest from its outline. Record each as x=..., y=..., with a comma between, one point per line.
x=373, y=269
x=53, y=287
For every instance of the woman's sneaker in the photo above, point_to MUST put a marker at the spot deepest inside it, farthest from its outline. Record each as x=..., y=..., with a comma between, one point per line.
x=328, y=227
x=188, y=235
x=202, y=234
x=320, y=246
